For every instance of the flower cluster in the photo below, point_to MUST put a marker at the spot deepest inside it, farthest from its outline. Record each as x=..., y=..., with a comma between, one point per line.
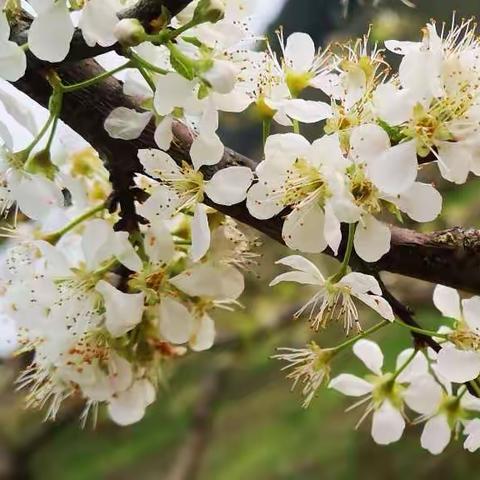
x=103, y=302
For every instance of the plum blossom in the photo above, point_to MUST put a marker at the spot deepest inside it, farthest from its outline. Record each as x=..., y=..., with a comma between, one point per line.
x=384, y=392
x=336, y=298
x=459, y=358
x=184, y=187
x=381, y=176
x=303, y=177
x=308, y=366
x=443, y=412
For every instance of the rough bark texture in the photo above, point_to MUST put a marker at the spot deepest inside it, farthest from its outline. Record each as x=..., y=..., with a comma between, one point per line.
x=450, y=257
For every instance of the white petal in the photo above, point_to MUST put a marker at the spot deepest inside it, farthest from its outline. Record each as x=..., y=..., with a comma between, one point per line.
x=36, y=196
x=387, y=424
x=379, y=304
x=158, y=164
x=370, y=354
x=204, y=336
x=372, y=239
x=220, y=282
x=176, y=321
x=298, y=277
x=332, y=229
x=299, y=52
x=436, y=434
x=161, y=204
x=128, y=407
x=368, y=142
x=350, y=385
x=163, y=133
x=159, y=244
x=471, y=313
x=260, y=203
x=416, y=368
x=286, y=147
x=447, y=300
x=392, y=105
x=454, y=160
x=200, y=233
x=222, y=76
x=361, y=283
x=307, y=111
x=301, y=263
x=229, y=185
x=97, y=242
x=396, y=169
x=303, y=229
x=421, y=202
x=458, y=366
x=472, y=429
x=98, y=22
x=126, y=123
x=423, y=395
x=401, y=47
x=8, y=336
x=51, y=31
x=13, y=61
x=172, y=91
x=20, y=111
x=125, y=253
x=206, y=150
x=124, y=311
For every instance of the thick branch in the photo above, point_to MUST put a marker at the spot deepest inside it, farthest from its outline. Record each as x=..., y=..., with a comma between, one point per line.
x=450, y=257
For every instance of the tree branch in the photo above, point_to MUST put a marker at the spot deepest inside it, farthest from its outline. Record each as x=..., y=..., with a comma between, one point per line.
x=450, y=257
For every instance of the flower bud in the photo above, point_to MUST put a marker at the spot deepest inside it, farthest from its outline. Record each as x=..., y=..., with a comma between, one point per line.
x=129, y=32
x=41, y=163
x=209, y=11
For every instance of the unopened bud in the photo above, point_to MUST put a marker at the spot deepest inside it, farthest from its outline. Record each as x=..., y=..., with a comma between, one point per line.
x=209, y=11
x=41, y=163
x=130, y=32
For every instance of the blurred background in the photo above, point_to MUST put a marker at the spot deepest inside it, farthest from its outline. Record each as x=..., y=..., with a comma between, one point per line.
x=229, y=413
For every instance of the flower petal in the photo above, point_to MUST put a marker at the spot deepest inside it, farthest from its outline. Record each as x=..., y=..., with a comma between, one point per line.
x=387, y=424
x=219, y=282
x=307, y=111
x=372, y=239
x=124, y=311
x=299, y=52
x=471, y=313
x=395, y=170
x=447, y=300
x=421, y=202
x=204, y=336
x=229, y=185
x=51, y=31
x=303, y=229
x=458, y=366
x=176, y=322
x=423, y=395
x=126, y=124
x=370, y=354
x=350, y=385
x=436, y=434
x=200, y=233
